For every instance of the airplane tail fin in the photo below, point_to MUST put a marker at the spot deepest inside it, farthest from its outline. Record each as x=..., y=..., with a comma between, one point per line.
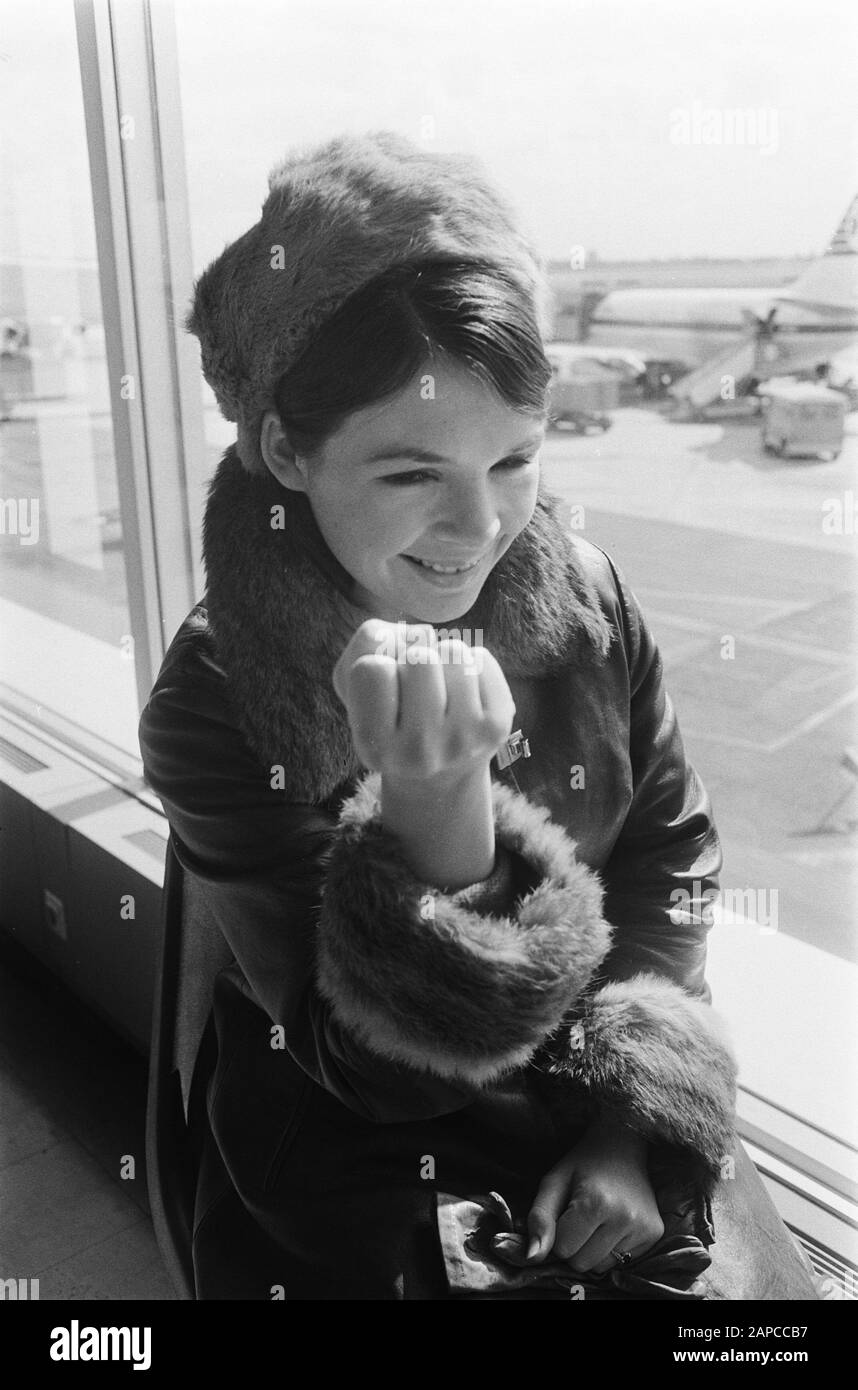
x=831, y=282
x=845, y=239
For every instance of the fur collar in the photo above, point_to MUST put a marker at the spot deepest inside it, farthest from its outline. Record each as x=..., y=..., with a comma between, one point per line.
x=280, y=611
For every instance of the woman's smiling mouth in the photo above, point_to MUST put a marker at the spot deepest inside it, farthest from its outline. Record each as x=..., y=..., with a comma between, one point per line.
x=446, y=576
x=437, y=568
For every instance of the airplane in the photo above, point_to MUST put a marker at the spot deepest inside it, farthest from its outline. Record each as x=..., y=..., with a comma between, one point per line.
x=741, y=335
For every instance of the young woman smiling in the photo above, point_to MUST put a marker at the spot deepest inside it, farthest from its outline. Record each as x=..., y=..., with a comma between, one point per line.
x=463, y=1047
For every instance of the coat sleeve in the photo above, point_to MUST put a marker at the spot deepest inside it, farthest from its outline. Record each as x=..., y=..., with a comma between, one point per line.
x=663, y=872
x=400, y=1000
x=259, y=865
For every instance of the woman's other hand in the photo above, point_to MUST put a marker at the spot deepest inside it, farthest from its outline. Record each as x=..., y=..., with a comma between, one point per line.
x=596, y=1200
x=429, y=716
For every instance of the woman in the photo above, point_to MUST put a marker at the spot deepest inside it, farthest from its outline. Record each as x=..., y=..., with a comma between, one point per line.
x=418, y=760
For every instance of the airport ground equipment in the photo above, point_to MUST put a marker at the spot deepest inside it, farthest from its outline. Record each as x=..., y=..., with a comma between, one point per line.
x=582, y=391
x=802, y=419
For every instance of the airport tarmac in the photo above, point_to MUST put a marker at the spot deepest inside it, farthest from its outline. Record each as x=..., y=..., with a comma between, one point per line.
x=720, y=541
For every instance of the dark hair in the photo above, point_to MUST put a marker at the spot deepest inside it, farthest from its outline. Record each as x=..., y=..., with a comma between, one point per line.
x=380, y=337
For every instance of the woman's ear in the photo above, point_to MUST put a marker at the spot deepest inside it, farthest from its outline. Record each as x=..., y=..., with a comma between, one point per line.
x=280, y=457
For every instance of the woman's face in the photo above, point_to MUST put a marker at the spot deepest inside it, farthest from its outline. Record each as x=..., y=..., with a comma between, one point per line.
x=420, y=495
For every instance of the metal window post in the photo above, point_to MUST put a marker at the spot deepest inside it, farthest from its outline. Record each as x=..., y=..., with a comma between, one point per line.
x=129, y=74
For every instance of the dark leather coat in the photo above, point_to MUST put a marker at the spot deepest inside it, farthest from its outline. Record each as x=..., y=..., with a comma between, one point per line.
x=331, y=1126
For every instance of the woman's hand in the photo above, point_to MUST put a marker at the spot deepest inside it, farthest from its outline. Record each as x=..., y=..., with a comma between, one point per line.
x=421, y=710
x=597, y=1199
x=429, y=717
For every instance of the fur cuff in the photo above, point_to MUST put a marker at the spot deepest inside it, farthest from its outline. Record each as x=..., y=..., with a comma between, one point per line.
x=661, y=1063
x=423, y=979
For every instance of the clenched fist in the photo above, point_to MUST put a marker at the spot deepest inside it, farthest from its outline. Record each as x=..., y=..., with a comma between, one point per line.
x=420, y=709
x=429, y=716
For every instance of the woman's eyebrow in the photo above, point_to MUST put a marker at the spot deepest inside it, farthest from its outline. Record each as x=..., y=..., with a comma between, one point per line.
x=407, y=451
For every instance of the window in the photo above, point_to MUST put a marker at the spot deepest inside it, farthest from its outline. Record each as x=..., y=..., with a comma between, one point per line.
x=102, y=464
x=586, y=116
x=67, y=647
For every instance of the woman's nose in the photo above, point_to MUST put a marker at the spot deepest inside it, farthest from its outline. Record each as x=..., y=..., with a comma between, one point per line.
x=470, y=519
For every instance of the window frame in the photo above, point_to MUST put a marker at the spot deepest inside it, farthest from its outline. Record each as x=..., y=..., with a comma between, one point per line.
x=128, y=60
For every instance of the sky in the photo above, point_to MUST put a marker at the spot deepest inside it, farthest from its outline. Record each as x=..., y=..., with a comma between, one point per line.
x=607, y=122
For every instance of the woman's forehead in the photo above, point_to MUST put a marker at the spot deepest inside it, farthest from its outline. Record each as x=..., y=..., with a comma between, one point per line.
x=443, y=412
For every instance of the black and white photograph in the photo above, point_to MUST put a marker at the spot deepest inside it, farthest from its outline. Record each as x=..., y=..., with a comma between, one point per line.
x=428, y=743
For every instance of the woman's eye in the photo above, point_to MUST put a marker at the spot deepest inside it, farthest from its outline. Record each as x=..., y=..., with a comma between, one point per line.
x=418, y=475
x=421, y=475
x=517, y=461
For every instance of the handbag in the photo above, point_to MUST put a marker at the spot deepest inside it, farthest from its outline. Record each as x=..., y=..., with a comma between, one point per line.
x=732, y=1247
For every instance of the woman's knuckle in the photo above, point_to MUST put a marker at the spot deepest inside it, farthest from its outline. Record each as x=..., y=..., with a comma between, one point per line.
x=458, y=745
x=591, y=1202
x=495, y=726
x=417, y=749
x=614, y=1212
x=371, y=634
x=455, y=654
x=421, y=634
x=368, y=666
x=421, y=654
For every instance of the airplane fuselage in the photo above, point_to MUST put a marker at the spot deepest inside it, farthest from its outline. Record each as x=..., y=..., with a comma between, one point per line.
x=691, y=326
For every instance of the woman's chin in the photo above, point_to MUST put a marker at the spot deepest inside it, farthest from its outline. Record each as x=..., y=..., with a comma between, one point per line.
x=443, y=609
x=438, y=597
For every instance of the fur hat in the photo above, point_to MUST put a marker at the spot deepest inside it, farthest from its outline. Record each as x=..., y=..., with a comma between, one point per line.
x=335, y=218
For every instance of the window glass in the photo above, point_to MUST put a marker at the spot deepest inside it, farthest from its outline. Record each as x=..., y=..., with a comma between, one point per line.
x=675, y=149
x=64, y=613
